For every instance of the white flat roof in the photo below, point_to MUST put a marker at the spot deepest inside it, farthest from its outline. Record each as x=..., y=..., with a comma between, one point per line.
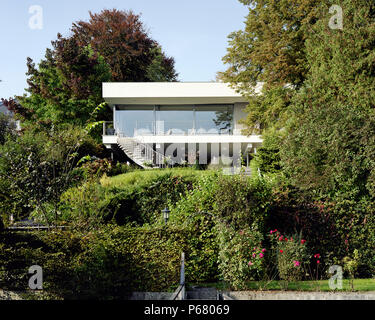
x=170, y=93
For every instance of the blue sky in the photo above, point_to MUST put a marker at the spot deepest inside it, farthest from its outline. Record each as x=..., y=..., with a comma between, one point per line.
x=194, y=32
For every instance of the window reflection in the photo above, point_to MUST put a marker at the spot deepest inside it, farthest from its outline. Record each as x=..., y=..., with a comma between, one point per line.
x=174, y=120
x=135, y=121
x=214, y=119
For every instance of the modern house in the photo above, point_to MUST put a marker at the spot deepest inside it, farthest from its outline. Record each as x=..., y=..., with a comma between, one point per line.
x=156, y=123
x=4, y=110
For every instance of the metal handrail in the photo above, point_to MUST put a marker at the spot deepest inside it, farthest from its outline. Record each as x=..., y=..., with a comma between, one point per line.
x=150, y=153
x=181, y=287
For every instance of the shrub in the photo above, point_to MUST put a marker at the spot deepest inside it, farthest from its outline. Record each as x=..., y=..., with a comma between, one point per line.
x=291, y=256
x=140, y=199
x=237, y=265
x=194, y=211
x=99, y=167
x=84, y=206
x=122, y=259
x=232, y=204
x=242, y=202
x=37, y=167
x=141, y=196
x=106, y=263
x=354, y=224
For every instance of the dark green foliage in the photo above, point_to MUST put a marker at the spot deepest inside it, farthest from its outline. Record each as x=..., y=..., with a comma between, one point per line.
x=241, y=202
x=36, y=168
x=226, y=206
x=355, y=229
x=330, y=142
x=104, y=264
x=140, y=202
x=7, y=127
x=66, y=86
x=269, y=159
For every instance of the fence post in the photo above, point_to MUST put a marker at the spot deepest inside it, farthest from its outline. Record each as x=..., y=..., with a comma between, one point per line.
x=182, y=277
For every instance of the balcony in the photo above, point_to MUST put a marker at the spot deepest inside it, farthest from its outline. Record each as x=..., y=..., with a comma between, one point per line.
x=149, y=132
x=167, y=128
x=179, y=128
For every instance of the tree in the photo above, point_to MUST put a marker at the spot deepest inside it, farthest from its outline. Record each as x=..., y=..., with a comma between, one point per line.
x=270, y=50
x=7, y=127
x=66, y=86
x=271, y=47
x=37, y=167
x=121, y=38
x=330, y=146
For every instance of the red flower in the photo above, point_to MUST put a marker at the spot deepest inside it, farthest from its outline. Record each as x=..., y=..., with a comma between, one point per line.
x=318, y=262
x=281, y=251
x=286, y=239
x=281, y=238
x=303, y=241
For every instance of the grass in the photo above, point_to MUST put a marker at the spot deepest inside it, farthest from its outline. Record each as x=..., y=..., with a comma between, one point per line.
x=321, y=285
x=141, y=177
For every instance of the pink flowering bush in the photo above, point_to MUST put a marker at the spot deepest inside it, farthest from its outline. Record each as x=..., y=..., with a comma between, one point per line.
x=291, y=255
x=241, y=255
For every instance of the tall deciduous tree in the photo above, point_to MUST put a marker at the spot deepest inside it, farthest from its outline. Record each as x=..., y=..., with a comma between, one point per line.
x=66, y=86
x=121, y=38
x=270, y=50
x=330, y=147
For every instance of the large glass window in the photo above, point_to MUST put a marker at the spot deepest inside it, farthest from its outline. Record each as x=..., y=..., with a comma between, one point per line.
x=135, y=121
x=214, y=119
x=174, y=120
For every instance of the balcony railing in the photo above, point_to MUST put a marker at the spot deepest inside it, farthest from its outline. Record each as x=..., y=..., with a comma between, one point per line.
x=180, y=128
x=168, y=128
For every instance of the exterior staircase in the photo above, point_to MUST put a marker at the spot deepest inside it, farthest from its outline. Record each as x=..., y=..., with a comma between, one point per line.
x=142, y=154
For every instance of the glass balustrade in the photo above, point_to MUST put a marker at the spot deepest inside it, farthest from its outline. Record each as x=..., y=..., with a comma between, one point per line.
x=179, y=128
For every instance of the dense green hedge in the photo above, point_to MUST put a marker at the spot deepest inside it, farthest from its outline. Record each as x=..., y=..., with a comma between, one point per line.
x=107, y=263
x=134, y=197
